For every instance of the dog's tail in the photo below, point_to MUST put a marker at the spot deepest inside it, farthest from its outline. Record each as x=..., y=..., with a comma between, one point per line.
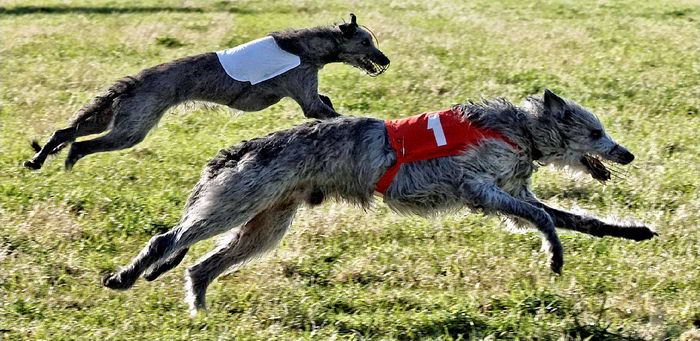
x=36, y=146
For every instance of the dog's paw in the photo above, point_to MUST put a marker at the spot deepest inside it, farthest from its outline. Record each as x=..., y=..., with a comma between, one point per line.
x=633, y=232
x=627, y=231
x=639, y=233
x=70, y=161
x=116, y=282
x=151, y=276
x=556, y=263
x=556, y=254
x=31, y=164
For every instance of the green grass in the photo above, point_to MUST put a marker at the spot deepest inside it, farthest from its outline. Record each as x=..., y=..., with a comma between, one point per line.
x=342, y=273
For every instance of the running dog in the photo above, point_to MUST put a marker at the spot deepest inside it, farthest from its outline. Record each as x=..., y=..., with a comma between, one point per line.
x=250, y=77
x=476, y=155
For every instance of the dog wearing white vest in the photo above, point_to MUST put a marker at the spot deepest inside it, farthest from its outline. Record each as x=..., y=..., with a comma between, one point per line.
x=250, y=77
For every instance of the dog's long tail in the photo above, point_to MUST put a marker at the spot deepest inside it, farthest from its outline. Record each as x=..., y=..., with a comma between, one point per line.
x=92, y=118
x=36, y=146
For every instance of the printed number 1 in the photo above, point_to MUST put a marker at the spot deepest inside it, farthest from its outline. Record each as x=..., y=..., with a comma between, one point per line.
x=434, y=124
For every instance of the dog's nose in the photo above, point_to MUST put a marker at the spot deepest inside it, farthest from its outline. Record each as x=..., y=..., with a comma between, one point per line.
x=383, y=60
x=627, y=157
x=621, y=155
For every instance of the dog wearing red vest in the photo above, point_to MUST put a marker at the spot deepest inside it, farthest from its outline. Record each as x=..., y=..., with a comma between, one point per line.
x=478, y=156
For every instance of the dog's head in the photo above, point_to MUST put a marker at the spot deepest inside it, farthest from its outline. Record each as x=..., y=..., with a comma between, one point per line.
x=582, y=141
x=357, y=48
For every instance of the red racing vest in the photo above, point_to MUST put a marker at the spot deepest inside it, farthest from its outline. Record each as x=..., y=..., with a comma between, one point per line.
x=429, y=136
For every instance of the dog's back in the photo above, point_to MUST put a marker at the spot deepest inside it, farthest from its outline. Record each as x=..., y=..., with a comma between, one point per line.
x=330, y=155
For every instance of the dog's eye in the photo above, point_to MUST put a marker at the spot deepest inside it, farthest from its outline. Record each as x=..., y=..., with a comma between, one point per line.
x=596, y=134
x=365, y=42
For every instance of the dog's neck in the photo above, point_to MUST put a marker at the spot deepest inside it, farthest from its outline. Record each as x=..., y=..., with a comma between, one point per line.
x=509, y=120
x=317, y=45
x=535, y=152
x=546, y=140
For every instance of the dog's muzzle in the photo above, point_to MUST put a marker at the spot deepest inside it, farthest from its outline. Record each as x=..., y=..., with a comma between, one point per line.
x=375, y=66
x=383, y=60
x=373, y=69
x=621, y=155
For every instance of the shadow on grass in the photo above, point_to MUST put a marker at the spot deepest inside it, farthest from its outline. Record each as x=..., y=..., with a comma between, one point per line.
x=25, y=10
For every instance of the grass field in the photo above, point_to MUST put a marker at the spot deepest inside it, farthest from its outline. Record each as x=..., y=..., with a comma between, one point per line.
x=342, y=273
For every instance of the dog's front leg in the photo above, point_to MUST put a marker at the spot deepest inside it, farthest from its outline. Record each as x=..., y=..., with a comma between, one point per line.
x=326, y=100
x=312, y=103
x=314, y=106
x=595, y=227
x=491, y=198
x=588, y=224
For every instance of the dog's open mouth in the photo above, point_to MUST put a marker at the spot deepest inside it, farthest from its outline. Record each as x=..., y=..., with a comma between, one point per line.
x=596, y=168
x=371, y=68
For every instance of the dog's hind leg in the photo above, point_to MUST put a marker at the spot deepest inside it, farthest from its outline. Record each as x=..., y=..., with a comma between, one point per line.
x=93, y=118
x=492, y=198
x=154, y=250
x=211, y=210
x=595, y=227
x=61, y=138
x=169, y=247
x=156, y=270
x=135, y=116
x=257, y=236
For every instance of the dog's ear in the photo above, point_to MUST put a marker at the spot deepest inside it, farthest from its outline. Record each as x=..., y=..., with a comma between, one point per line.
x=553, y=104
x=349, y=29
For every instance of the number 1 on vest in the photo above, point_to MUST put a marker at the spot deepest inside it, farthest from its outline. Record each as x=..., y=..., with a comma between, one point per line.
x=435, y=125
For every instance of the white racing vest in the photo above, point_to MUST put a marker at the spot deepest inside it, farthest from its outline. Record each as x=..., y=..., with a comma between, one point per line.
x=257, y=61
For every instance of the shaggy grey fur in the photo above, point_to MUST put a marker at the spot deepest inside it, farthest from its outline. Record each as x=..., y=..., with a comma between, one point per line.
x=254, y=188
x=131, y=107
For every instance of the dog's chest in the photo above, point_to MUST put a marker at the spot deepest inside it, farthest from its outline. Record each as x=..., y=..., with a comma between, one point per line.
x=512, y=173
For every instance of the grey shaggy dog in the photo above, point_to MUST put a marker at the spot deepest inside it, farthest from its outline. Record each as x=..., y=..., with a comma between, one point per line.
x=133, y=106
x=254, y=188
